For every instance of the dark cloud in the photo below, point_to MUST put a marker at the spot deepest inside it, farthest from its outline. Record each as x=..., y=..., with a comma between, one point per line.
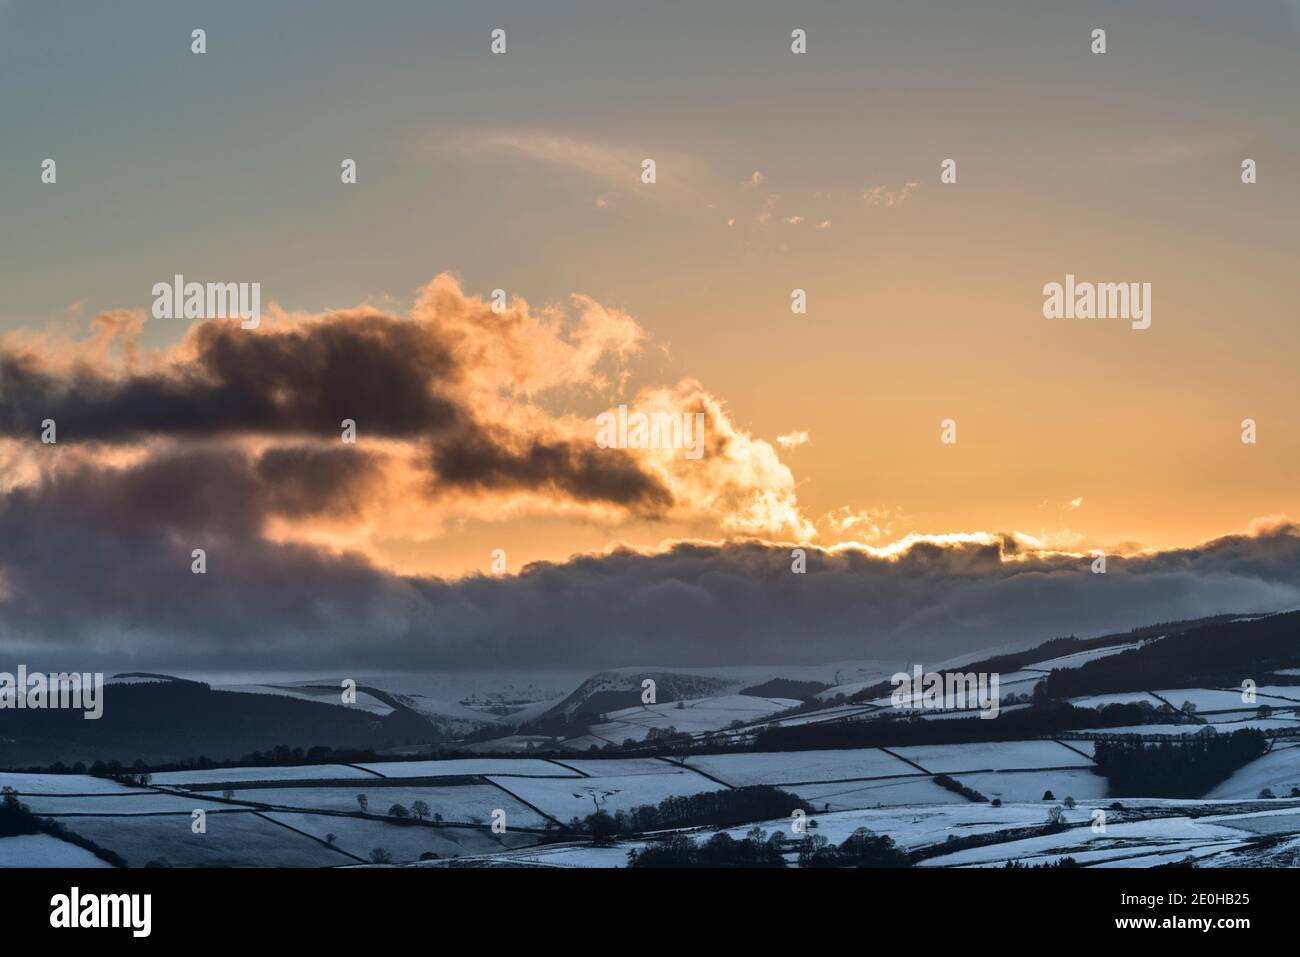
x=378, y=370
x=481, y=460
x=390, y=376
x=96, y=562
x=97, y=557
x=302, y=481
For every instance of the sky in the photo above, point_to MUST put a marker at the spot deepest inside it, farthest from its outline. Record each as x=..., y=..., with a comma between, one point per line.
x=522, y=171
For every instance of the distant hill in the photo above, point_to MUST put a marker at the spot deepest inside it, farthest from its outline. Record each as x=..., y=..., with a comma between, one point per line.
x=786, y=688
x=1217, y=655
x=612, y=690
x=173, y=720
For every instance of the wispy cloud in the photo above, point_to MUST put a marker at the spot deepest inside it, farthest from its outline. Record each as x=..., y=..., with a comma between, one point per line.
x=890, y=196
x=616, y=165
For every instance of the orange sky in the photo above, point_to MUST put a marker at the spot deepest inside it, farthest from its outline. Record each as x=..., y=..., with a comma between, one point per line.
x=774, y=172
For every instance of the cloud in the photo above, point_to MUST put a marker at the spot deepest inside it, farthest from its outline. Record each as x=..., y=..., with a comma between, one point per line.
x=616, y=165
x=584, y=472
x=792, y=440
x=456, y=410
x=889, y=196
x=864, y=525
x=305, y=379
x=612, y=165
x=229, y=441
x=96, y=563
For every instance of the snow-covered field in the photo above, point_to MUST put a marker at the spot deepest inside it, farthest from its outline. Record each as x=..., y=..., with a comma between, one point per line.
x=693, y=716
x=210, y=776
x=790, y=767
x=1175, y=836
x=463, y=804
x=1222, y=724
x=45, y=850
x=469, y=767
x=309, y=816
x=238, y=839
x=992, y=756
x=359, y=837
x=136, y=802
x=61, y=784
x=1080, y=658
x=891, y=791
x=567, y=799
x=1279, y=770
x=1009, y=786
x=915, y=826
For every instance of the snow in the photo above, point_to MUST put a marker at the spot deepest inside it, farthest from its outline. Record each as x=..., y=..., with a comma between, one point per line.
x=689, y=716
x=320, y=694
x=788, y=767
x=992, y=756
x=62, y=784
x=838, y=713
x=1080, y=658
x=135, y=802
x=306, y=772
x=1195, y=852
x=1156, y=834
x=45, y=850
x=441, y=696
x=1278, y=770
x=1031, y=785
x=464, y=804
x=1089, y=748
x=892, y=792
x=1205, y=699
x=467, y=767
x=1211, y=699
x=359, y=836
x=599, y=767
x=1277, y=821
x=233, y=839
x=567, y=799
x=561, y=855
x=919, y=825
x=1222, y=724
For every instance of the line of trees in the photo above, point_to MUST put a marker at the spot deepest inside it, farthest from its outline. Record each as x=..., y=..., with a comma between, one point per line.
x=17, y=819
x=862, y=848
x=1186, y=767
x=712, y=808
